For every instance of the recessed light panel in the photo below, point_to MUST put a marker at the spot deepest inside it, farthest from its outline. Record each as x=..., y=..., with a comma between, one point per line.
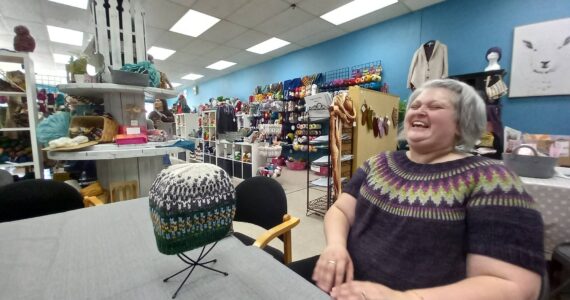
x=192, y=76
x=220, y=65
x=61, y=58
x=268, y=46
x=355, y=9
x=194, y=23
x=176, y=84
x=75, y=3
x=65, y=36
x=160, y=53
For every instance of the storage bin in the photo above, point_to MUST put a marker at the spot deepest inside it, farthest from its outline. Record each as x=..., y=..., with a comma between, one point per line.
x=296, y=165
x=129, y=78
x=530, y=166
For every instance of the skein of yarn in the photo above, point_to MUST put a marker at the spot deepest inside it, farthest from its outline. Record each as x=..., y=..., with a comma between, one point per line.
x=23, y=41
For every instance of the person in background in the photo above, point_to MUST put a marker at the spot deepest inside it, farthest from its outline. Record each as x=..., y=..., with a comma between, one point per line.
x=433, y=222
x=182, y=105
x=160, y=114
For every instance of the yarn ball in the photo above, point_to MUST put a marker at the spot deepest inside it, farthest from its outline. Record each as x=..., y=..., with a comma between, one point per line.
x=53, y=127
x=23, y=41
x=191, y=205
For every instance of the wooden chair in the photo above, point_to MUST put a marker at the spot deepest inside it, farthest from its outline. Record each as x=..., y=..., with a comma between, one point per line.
x=262, y=201
x=89, y=201
x=123, y=190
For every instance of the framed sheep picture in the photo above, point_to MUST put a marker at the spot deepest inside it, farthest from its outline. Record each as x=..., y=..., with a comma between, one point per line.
x=541, y=59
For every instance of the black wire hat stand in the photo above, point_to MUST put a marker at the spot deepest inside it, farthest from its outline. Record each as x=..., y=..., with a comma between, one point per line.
x=192, y=264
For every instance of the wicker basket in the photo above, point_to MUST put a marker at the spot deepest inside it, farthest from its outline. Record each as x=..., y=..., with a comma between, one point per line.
x=530, y=166
x=109, y=127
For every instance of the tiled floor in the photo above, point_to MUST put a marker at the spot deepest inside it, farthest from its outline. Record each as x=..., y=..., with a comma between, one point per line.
x=308, y=237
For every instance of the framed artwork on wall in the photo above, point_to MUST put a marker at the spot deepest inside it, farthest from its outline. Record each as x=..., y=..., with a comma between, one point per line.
x=541, y=59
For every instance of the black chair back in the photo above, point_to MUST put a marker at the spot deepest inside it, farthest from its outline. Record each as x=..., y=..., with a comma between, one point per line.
x=261, y=201
x=37, y=197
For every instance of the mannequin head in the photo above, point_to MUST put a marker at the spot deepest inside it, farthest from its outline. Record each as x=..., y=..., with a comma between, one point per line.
x=494, y=53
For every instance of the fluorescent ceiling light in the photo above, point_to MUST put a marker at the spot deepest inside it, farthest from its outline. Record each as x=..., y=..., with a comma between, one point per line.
x=194, y=23
x=160, y=53
x=269, y=45
x=75, y=3
x=220, y=65
x=65, y=36
x=176, y=84
x=192, y=76
x=62, y=58
x=355, y=9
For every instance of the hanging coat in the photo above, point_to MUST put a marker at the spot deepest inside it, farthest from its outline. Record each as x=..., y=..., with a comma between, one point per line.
x=422, y=69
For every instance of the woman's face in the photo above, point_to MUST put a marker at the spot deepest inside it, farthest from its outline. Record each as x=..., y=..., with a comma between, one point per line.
x=430, y=123
x=158, y=104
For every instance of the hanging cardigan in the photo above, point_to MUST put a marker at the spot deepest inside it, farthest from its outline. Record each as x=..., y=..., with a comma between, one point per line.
x=422, y=69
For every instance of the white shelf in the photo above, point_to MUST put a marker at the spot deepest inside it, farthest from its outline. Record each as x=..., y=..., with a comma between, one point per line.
x=100, y=89
x=113, y=151
x=15, y=129
x=8, y=94
x=13, y=164
x=24, y=59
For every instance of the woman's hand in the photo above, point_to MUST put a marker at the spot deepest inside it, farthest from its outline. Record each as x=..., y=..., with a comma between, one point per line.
x=333, y=268
x=366, y=290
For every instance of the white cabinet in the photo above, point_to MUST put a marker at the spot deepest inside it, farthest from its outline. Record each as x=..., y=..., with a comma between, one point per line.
x=11, y=132
x=186, y=125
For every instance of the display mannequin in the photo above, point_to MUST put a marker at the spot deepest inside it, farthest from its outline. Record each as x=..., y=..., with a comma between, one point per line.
x=493, y=56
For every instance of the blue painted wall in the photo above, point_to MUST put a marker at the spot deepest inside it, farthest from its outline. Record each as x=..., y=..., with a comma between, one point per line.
x=467, y=27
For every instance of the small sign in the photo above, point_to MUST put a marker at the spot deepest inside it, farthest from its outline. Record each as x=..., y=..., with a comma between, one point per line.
x=133, y=130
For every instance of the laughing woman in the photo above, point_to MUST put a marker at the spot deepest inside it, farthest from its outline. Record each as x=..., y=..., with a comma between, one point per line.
x=434, y=222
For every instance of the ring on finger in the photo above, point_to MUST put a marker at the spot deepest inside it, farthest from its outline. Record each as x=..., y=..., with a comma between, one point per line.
x=332, y=262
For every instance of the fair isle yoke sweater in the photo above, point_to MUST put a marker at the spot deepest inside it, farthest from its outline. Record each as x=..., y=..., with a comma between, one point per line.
x=415, y=223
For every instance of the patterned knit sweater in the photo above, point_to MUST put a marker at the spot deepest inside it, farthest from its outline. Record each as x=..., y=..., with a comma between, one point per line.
x=415, y=223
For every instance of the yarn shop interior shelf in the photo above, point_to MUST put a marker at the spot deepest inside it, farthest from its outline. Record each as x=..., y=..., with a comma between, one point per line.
x=22, y=135
x=126, y=162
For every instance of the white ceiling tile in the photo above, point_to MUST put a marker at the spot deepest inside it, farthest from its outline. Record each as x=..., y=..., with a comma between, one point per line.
x=218, y=8
x=245, y=58
x=284, y=21
x=186, y=3
x=171, y=40
x=302, y=31
x=22, y=10
x=319, y=7
x=284, y=50
x=221, y=52
x=198, y=46
x=257, y=11
x=419, y=4
x=162, y=13
x=389, y=12
x=248, y=39
x=68, y=17
x=222, y=32
x=321, y=37
x=180, y=57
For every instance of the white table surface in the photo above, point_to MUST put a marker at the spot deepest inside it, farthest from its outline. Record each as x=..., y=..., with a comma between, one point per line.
x=109, y=252
x=552, y=197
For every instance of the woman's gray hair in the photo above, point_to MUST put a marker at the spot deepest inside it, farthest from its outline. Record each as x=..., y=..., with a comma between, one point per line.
x=470, y=111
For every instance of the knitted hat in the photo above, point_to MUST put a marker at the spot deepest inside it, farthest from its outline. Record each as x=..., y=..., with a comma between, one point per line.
x=191, y=205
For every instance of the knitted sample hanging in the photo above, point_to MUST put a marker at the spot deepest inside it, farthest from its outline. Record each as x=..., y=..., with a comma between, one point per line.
x=191, y=205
